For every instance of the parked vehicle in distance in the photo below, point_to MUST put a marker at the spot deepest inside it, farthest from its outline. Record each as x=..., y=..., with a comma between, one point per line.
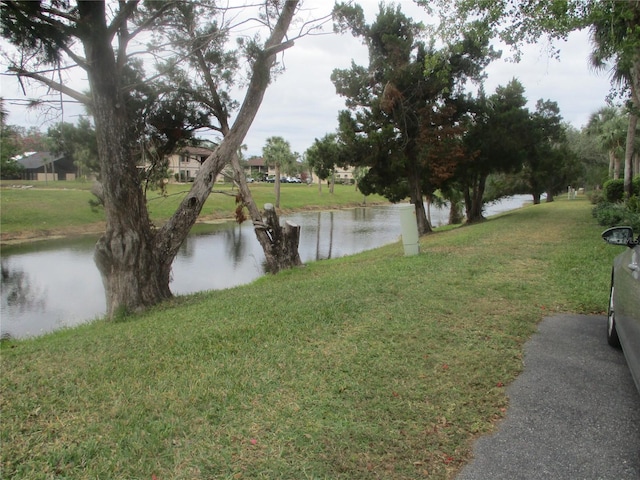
x=623, y=322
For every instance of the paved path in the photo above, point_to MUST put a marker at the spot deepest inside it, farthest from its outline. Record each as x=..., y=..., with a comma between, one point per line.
x=574, y=412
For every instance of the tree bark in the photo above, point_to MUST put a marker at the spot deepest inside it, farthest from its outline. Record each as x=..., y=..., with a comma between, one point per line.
x=276, y=185
x=628, y=154
x=473, y=198
x=417, y=199
x=280, y=246
x=133, y=274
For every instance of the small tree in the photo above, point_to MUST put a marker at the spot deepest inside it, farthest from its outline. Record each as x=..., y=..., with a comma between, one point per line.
x=277, y=153
x=9, y=168
x=323, y=156
x=77, y=142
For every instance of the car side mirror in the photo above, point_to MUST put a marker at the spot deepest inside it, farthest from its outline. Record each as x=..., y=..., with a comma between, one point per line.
x=619, y=236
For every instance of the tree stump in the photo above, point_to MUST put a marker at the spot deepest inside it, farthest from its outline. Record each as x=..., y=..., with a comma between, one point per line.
x=282, y=252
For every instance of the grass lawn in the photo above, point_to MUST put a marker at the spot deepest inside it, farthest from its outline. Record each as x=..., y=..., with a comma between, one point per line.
x=56, y=207
x=370, y=366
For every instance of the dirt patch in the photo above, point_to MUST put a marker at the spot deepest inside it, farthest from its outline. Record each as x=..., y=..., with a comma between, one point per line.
x=15, y=238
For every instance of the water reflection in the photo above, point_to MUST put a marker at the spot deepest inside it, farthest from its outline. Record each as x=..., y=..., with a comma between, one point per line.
x=18, y=291
x=48, y=285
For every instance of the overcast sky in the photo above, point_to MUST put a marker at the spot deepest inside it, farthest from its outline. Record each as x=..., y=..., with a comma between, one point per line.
x=301, y=105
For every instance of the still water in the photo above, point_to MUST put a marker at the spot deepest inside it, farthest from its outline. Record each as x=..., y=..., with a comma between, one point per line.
x=52, y=284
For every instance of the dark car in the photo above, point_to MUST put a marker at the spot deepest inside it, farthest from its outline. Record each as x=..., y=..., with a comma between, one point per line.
x=623, y=324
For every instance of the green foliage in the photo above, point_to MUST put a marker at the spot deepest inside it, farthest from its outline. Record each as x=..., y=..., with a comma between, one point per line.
x=405, y=107
x=277, y=152
x=77, y=142
x=8, y=147
x=613, y=190
x=324, y=155
x=615, y=214
x=596, y=196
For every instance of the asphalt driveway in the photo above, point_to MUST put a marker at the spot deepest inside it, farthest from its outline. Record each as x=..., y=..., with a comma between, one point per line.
x=574, y=412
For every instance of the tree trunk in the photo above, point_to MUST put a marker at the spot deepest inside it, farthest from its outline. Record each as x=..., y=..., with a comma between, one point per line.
x=417, y=199
x=276, y=185
x=280, y=245
x=455, y=214
x=536, y=198
x=628, y=154
x=612, y=163
x=133, y=273
x=474, y=202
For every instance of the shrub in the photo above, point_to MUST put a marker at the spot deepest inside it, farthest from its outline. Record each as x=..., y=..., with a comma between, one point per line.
x=614, y=214
x=613, y=190
x=596, y=196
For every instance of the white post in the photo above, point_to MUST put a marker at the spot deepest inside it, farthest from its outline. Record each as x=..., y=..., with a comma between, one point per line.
x=409, y=225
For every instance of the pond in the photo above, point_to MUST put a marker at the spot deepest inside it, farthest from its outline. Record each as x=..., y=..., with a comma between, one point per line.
x=53, y=284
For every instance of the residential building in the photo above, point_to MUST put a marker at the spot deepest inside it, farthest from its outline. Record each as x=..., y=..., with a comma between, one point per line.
x=342, y=175
x=186, y=162
x=45, y=166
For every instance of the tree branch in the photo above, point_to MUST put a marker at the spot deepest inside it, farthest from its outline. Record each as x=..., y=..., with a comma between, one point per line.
x=84, y=99
x=121, y=18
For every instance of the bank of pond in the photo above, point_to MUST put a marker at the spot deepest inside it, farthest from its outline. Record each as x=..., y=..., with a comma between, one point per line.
x=53, y=284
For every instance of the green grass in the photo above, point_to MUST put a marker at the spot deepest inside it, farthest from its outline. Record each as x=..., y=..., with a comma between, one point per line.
x=370, y=366
x=57, y=206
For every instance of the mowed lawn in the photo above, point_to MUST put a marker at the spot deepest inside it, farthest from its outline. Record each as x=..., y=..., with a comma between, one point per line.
x=58, y=206
x=370, y=366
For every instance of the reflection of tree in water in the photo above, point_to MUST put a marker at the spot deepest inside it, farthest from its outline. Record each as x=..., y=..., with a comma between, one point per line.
x=18, y=290
x=236, y=247
x=318, y=255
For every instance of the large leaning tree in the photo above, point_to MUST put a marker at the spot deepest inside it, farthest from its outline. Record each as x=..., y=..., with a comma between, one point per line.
x=203, y=68
x=133, y=255
x=403, y=114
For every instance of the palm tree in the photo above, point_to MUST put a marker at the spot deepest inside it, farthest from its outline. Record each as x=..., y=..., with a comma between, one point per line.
x=615, y=33
x=608, y=125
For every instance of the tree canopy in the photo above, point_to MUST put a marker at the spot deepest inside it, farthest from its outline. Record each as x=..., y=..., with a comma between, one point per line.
x=614, y=26
x=403, y=112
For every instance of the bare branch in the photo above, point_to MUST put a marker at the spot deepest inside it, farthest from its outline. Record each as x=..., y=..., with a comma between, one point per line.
x=57, y=86
x=122, y=17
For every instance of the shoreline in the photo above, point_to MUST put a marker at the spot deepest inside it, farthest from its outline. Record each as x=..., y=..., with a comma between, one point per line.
x=32, y=236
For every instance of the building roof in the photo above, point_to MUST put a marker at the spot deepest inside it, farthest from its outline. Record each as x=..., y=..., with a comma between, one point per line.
x=32, y=160
x=196, y=151
x=256, y=162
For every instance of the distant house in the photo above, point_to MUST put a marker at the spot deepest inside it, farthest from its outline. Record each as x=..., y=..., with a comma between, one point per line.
x=342, y=175
x=45, y=166
x=257, y=169
x=186, y=162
